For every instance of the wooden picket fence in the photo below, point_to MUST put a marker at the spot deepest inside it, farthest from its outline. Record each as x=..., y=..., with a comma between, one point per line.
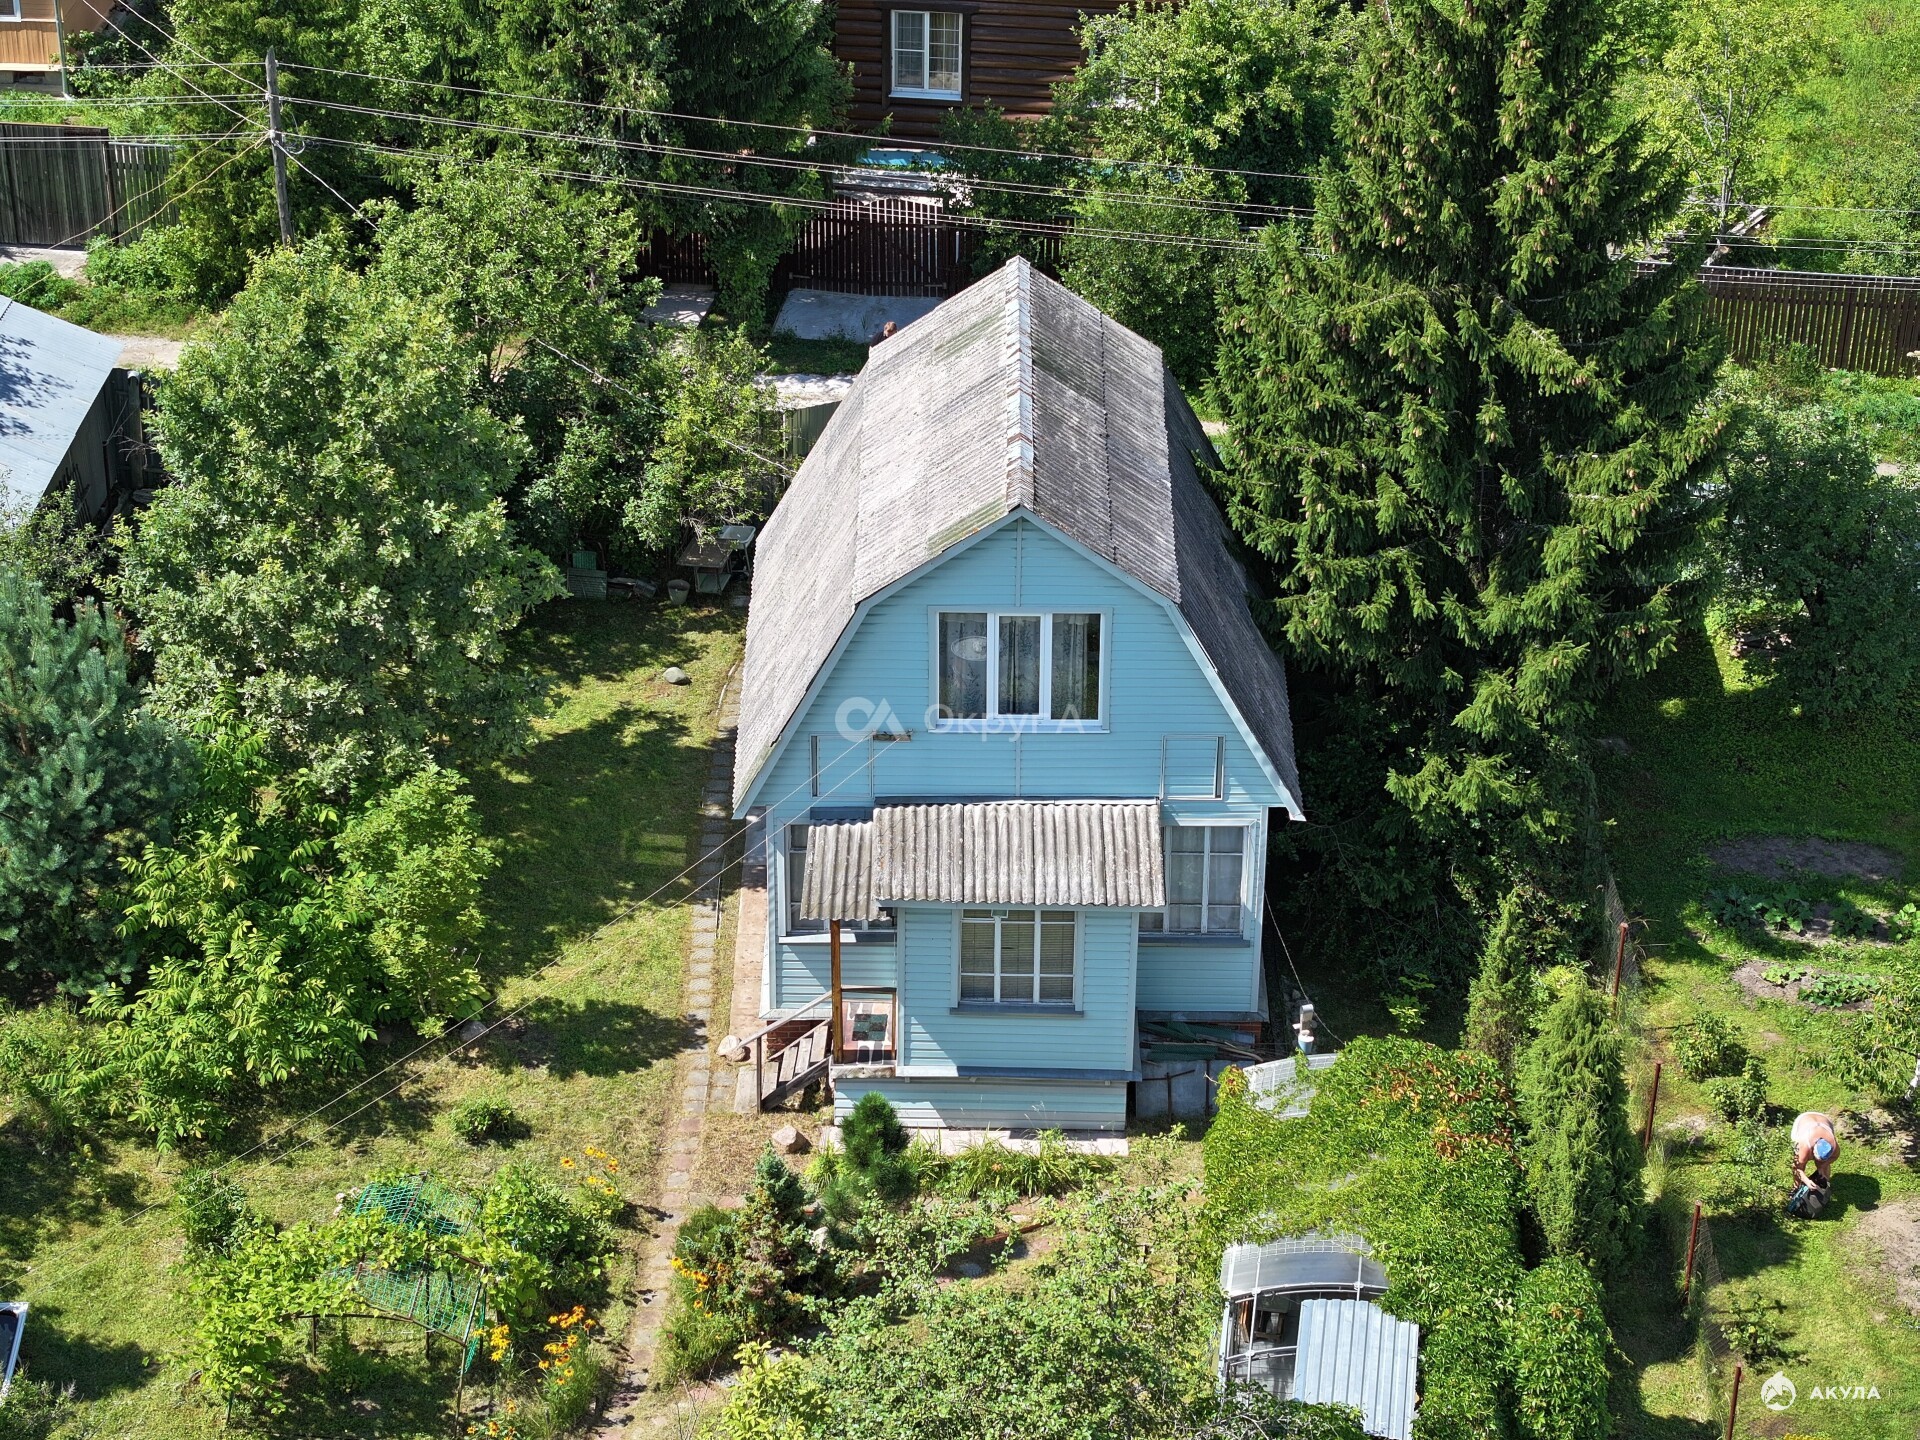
x=1852, y=322
x=66, y=184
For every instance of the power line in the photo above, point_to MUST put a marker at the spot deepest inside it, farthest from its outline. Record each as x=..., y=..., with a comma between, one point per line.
x=802, y=130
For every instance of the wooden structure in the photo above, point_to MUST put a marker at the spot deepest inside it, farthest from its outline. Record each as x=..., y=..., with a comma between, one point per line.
x=30, y=44
x=1012, y=53
x=67, y=184
x=1852, y=322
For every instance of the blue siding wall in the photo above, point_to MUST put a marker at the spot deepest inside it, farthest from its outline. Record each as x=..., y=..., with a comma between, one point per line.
x=1197, y=978
x=939, y=1039
x=994, y=1104
x=803, y=972
x=1155, y=688
x=1164, y=725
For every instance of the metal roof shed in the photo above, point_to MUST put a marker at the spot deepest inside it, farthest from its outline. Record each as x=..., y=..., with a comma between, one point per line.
x=1300, y=1324
x=56, y=409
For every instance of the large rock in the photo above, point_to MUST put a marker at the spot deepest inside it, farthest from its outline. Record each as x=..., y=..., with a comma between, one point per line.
x=674, y=675
x=788, y=1140
x=733, y=1048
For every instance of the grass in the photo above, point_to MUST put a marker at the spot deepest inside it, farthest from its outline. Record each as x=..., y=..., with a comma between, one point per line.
x=599, y=814
x=790, y=355
x=1710, y=757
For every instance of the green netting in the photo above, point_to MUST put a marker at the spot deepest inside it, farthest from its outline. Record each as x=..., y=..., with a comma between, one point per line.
x=446, y=1302
x=418, y=1203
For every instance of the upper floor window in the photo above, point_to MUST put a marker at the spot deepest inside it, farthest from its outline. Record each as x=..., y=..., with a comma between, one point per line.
x=1206, y=881
x=796, y=875
x=926, y=54
x=1040, y=668
x=1016, y=957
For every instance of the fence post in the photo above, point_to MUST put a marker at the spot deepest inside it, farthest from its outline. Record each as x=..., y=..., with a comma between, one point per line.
x=1619, y=958
x=1653, y=1099
x=1693, y=1239
x=1733, y=1401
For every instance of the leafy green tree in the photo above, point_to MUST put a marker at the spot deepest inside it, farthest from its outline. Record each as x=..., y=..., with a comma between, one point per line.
x=1470, y=437
x=334, y=550
x=282, y=929
x=1583, y=1163
x=1560, y=1347
x=87, y=775
x=1821, y=573
x=1729, y=66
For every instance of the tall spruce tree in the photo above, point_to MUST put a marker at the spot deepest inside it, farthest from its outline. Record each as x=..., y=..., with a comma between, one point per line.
x=1583, y=1166
x=1469, y=431
x=1500, y=1003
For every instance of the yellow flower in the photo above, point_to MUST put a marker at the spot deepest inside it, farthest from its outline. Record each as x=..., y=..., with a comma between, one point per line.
x=567, y=1161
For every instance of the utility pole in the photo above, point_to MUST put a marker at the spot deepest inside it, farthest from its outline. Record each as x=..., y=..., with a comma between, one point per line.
x=276, y=137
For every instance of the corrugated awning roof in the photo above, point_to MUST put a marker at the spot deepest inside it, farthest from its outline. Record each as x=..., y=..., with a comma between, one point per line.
x=1318, y=1262
x=1013, y=852
x=1354, y=1353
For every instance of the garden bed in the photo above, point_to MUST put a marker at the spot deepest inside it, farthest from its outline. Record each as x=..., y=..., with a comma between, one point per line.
x=1765, y=980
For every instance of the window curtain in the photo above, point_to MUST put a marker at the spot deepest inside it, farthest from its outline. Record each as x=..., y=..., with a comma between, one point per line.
x=1076, y=667
x=1019, y=665
x=963, y=666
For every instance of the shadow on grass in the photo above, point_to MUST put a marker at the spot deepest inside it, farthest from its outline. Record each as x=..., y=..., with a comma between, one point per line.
x=1851, y=1192
x=95, y=1369
x=372, y=1377
x=594, y=1037
x=1651, y=1328
x=50, y=1188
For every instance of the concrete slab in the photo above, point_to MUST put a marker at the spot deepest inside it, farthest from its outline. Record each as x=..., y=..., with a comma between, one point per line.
x=68, y=262
x=682, y=305
x=148, y=352
x=804, y=390
x=830, y=315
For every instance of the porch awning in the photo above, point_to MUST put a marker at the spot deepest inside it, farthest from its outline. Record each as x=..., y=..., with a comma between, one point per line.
x=1008, y=852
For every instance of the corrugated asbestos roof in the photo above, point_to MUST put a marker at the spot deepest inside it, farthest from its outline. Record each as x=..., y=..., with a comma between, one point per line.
x=1014, y=395
x=1015, y=852
x=1354, y=1353
x=50, y=375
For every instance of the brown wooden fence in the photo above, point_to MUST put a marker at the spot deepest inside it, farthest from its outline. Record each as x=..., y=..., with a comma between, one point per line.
x=65, y=184
x=882, y=247
x=1852, y=322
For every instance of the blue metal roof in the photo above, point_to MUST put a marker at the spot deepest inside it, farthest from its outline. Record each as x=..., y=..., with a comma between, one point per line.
x=1354, y=1353
x=50, y=374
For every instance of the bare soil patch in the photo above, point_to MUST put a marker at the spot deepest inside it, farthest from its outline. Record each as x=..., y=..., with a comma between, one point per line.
x=1890, y=1234
x=1751, y=978
x=1781, y=855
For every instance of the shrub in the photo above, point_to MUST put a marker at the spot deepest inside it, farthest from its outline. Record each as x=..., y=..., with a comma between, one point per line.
x=990, y=1169
x=1560, y=1342
x=50, y=1069
x=35, y=1410
x=547, y=1244
x=212, y=1210
x=876, y=1146
x=1743, y=1096
x=1708, y=1047
x=1582, y=1164
x=477, y=1120
x=1837, y=990
x=36, y=283
x=1752, y=1328
x=1747, y=1180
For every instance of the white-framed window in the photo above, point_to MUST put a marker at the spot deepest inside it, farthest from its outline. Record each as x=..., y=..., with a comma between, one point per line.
x=926, y=54
x=1206, y=882
x=1018, y=957
x=795, y=877
x=10, y=9
x=1041, y=669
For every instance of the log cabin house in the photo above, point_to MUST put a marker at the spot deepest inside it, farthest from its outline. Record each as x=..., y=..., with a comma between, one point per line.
x=912, y=66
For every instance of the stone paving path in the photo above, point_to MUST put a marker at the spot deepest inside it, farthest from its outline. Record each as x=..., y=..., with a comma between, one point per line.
x=699, y=1085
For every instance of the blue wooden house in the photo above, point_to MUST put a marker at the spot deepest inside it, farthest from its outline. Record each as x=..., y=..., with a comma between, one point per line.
x=1009, y=731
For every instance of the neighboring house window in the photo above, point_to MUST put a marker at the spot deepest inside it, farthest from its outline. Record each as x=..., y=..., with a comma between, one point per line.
x=9, y=9
x=796, y=877
x=1206, y=881
x=1042, y=668
x=926, y=53
x=1016, y=957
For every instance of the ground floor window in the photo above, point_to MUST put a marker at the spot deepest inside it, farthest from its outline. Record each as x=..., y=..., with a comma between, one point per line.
x=1017, y=957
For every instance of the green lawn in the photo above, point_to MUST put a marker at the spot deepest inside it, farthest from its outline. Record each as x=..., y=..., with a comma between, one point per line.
x=1710, y=758
x=602, y=812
